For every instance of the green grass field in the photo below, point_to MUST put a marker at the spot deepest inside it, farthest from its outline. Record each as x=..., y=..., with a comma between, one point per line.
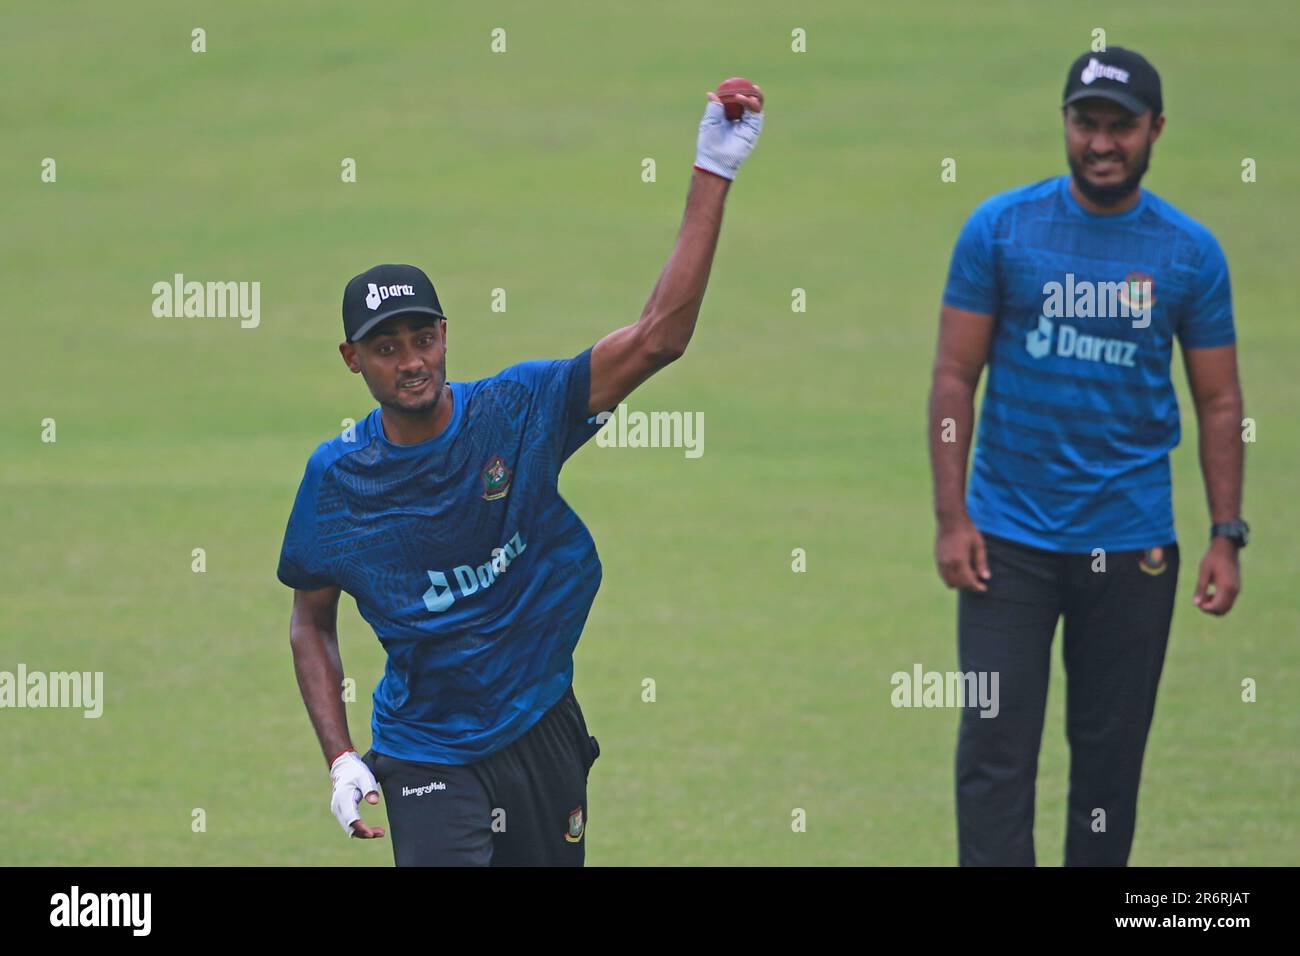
x=522, y=171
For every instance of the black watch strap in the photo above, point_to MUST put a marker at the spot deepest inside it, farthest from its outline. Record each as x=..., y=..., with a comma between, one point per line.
x=1238, y=532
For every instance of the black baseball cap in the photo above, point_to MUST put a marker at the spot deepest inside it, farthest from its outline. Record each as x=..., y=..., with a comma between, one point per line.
x=383, y=292
x=1118, y=75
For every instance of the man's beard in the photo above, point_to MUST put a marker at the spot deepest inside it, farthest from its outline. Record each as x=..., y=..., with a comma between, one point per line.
x=424, y=410
x=1110, y=195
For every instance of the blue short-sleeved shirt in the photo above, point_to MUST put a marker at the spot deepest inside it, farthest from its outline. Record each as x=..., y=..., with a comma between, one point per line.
x=475, y=574
x=1079, y=411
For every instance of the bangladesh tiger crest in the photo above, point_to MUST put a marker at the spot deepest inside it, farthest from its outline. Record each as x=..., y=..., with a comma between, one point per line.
x=1138, y=291
x=575, y=826
x=496, y=479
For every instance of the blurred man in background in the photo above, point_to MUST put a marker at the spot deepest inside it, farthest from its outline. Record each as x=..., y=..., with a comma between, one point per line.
x=1072, y=291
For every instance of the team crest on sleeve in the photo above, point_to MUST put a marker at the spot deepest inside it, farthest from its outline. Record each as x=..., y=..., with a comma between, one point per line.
x=575, y=826
x=496, y=479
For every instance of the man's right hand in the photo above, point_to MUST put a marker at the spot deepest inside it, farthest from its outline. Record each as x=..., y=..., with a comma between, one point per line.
x=959, y=553
x=352, y=780
x=723, y=144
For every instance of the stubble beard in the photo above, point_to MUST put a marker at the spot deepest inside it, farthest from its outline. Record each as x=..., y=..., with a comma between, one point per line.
x=425, y=410
x=1107, y=196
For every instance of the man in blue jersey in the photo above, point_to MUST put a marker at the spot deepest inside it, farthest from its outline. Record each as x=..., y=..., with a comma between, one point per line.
x=1072, y=291
x=440, y=514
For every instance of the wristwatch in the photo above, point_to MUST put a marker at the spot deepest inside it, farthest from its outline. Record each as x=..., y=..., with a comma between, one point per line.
x=1237, y=531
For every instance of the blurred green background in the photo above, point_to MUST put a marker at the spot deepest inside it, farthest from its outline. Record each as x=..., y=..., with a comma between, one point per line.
x=522, y=171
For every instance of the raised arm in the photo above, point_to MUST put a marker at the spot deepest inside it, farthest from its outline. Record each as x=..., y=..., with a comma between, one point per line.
x=625, y=358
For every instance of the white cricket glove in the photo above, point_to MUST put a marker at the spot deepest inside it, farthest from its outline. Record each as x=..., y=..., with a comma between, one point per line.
x=352, y=781
x=723, y=144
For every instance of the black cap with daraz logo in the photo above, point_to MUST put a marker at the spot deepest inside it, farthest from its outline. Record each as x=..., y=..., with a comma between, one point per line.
x=1118, y=75
x=383, y=292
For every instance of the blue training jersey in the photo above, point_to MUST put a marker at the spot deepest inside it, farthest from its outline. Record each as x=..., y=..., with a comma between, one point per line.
x=1079, y=411
x=475, y=574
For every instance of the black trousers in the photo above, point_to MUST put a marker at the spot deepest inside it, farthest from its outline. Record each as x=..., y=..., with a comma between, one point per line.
x=525, y=805
x=1116, y=630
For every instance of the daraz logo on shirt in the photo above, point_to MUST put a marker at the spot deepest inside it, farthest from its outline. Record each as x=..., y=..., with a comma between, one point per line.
x=1039, y=341
x=1071, y=343
x=442, y=592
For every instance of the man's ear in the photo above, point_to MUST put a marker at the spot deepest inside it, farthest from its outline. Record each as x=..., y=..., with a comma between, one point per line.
x=1157, y=125
x=349, y=353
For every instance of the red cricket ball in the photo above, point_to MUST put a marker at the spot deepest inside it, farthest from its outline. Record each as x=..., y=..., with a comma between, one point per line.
x=727, y=91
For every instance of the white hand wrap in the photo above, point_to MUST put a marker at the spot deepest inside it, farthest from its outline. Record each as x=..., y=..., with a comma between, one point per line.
x=352, y=780
x=723, y=144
